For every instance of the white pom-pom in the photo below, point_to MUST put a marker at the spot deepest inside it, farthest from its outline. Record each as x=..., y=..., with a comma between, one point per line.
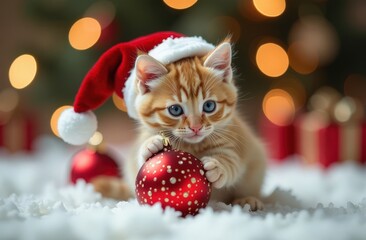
x=76, y=128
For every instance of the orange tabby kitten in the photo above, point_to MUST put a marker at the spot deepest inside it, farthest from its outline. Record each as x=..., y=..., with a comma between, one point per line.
x=193, y=101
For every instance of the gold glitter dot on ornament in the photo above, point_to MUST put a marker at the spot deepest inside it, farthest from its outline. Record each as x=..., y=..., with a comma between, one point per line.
x=173, y=180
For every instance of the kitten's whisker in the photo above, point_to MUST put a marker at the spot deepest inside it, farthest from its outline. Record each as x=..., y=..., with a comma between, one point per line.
x=229, y=124
x=227, y=135
x=244, y=97
x=214, y=141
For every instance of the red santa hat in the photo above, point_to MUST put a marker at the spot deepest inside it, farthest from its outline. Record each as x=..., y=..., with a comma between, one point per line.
x=115, y=72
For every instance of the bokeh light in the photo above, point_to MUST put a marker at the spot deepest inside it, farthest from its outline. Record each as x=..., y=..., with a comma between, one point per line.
x=294, y=87
x=54, y=119
x=324, y=99
x=302, y=61
x=278, y=106
x=343, y=111
x=84, y=33
x=272, y=59
x=96, y=139
x=272, y=8
x=180, y=4
x=119, y=103
x=348, y=110
x=22, y=71
x=103, y=11
x=316, y=35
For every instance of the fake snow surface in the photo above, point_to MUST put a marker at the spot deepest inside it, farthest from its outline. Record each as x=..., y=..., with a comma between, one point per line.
x=36, y=202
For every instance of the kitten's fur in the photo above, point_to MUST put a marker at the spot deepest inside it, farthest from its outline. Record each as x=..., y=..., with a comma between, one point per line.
x=232, y=155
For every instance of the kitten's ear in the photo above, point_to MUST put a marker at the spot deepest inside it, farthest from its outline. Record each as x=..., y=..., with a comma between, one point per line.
x=220, y=59
x=148, y=69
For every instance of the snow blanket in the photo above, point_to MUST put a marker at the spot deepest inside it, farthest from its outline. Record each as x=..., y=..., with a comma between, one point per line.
x=36, y=202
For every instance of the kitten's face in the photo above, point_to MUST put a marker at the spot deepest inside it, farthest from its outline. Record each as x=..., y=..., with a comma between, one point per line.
x=190, y=99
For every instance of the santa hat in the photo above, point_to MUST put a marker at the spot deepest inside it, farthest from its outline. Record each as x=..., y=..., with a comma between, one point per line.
x=115, y=72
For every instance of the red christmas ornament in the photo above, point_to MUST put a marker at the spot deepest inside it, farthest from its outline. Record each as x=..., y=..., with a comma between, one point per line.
x=90, y=163
x=176, y=179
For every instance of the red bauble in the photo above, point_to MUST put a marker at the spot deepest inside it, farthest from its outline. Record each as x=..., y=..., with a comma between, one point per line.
x=90, y=163
x=176, y=179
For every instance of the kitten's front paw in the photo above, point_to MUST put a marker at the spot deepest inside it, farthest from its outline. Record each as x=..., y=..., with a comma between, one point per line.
x=151, y=146
x=214, y=171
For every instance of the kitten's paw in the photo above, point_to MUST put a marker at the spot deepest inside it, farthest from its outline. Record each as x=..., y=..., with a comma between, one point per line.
x=214, y=171
x=111, y=187
x=254, y=203
x=151, y=146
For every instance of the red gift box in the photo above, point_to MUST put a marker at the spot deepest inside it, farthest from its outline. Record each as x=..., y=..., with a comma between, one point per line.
x=325, y=142
x=332, y=131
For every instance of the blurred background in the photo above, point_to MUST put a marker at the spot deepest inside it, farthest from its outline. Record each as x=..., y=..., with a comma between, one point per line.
x=284, y=52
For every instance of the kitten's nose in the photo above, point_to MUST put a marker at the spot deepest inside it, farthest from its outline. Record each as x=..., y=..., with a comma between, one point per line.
x=194, y=123
x=196, y=128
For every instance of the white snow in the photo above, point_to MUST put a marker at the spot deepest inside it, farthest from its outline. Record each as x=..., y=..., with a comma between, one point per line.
x=37, y=202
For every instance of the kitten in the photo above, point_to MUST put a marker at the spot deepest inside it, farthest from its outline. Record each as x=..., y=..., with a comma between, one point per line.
x=193, y=101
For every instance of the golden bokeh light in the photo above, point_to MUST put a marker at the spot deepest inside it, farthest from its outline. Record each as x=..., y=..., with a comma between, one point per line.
x=278, y=106
x=84, y=33
x=323, y=99
x=272, y=59
x=180, y=4
x=316, y=35
x=301, y=60
x=96, y=139
x=119, y=103
x=272, y=8
x=344, y=110
x=349, y=110
x=22, y=71
x=295, y=88
x=54, y=119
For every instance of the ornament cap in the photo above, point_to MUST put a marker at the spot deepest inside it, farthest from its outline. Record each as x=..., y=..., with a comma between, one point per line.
x=166, y=140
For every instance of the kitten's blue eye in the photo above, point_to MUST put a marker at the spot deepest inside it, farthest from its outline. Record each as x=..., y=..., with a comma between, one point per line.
x=175, y=110
x=209, y=106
